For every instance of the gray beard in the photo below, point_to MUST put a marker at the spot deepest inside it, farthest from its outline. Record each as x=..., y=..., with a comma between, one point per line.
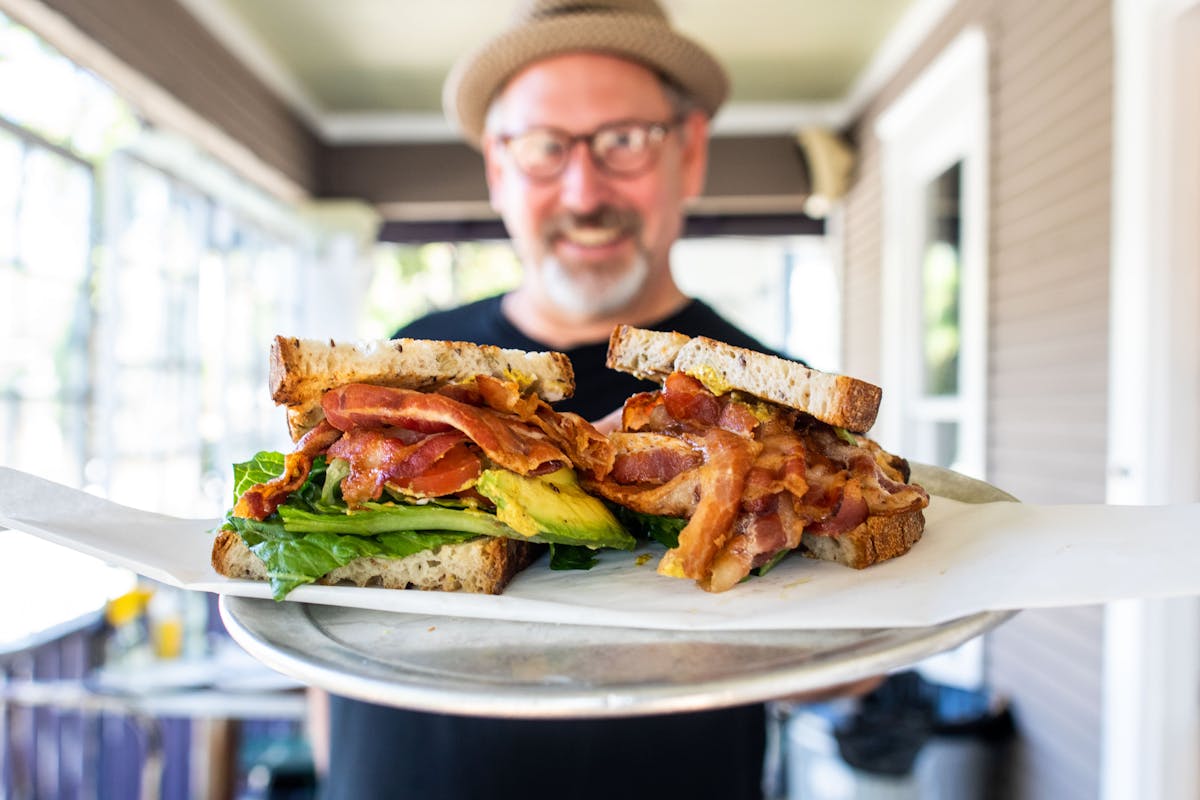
x=588, y=296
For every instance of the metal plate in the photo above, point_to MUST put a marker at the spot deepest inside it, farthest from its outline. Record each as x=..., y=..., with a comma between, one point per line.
x=532, y=670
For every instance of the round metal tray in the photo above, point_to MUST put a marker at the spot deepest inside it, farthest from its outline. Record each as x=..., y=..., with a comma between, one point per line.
x=538, y=670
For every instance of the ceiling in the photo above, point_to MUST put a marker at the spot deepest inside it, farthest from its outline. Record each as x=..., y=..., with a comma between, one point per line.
x=371, y=70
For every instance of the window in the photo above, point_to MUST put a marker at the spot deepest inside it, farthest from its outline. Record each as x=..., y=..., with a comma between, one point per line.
x=937, y=427
x=192, y=289
x=140, y=285
x=46, y=202
x=934, y=260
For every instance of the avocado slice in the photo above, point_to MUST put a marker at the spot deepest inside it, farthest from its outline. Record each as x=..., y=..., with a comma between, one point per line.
x=552, y=508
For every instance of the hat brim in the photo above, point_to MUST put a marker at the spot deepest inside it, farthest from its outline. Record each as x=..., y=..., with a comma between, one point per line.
x=475, y=80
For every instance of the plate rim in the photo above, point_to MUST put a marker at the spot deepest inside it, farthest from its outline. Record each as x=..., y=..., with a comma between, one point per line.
x=303, y=660
x=457, y=696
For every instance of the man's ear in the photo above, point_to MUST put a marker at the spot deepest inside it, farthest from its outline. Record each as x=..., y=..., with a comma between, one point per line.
x=493, y=169
x=695, y=153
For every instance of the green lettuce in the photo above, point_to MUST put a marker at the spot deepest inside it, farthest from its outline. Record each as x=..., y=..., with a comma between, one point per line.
x=664, y=530
x=294, y=559
x=314, y=531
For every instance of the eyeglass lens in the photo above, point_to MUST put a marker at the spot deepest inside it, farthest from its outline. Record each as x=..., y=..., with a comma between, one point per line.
x=622, y=148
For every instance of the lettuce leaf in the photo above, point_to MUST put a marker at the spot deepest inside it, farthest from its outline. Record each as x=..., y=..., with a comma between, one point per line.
x=376, y=518
x=664, y=530
x=294, y=559
x=572, y=556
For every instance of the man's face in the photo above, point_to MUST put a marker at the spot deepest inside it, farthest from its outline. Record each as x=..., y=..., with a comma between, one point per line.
x=591, y=241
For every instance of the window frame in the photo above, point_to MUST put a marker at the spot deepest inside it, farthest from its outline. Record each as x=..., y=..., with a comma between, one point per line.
x=940, y=120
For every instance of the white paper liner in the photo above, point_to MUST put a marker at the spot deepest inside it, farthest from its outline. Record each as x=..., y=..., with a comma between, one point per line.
x=972, y=558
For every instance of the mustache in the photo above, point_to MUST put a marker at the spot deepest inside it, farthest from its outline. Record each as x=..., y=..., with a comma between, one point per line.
x=606, y=216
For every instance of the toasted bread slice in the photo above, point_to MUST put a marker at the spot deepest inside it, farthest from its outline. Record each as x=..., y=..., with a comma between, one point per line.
x=484, y=565
x=304, y=369
x=649, y=355
x=877, y=539
x=834, y=399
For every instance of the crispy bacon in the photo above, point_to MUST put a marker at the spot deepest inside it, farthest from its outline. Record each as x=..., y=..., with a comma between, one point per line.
x=436, y=465
x=757, y=539
x=689, y=402
x=801, y=475
x=506, y=396
x=427, y=444
x=586, y=447
x=650, y=457
x=677, y=497
x=261, y=501
x=502, y=438
x=849, y=512
x=737, y=418
x=727, y=459
x=645, y=412
x=779, y=467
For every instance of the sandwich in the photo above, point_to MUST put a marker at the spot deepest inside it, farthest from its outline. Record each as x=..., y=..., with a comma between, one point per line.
x=417, y=465
x=743, y=457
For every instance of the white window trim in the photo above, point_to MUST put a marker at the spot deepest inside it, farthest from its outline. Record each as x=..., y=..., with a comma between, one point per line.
x=1152, y=656
x=940, y=119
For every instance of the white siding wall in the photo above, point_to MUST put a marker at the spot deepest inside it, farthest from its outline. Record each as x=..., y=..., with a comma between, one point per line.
x=1051, y=120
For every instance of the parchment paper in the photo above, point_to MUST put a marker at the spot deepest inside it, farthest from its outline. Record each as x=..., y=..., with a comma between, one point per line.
x=972, y=557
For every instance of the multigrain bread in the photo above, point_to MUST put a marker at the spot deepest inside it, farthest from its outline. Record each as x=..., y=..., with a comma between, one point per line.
x=302, y=370
x=484, y=565
x=836, y=400
x=648, y=354
x=877, y=539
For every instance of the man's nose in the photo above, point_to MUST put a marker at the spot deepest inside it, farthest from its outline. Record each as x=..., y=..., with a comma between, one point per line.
x=582, y=184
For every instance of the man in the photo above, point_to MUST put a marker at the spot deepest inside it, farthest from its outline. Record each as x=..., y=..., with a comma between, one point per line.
x=593, y=123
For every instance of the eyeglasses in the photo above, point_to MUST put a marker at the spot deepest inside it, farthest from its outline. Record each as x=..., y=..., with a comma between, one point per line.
x=624, y=149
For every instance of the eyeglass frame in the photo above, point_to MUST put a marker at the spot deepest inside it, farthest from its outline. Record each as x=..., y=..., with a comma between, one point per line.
x=656, y=132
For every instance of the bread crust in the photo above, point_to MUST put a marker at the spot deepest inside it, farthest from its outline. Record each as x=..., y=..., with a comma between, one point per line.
x=877, y=539
x=484, y=565
x=837, y=400
x=302, y=370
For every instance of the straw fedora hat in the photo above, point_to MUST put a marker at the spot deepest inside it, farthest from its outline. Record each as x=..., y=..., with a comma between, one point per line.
x=635, y=29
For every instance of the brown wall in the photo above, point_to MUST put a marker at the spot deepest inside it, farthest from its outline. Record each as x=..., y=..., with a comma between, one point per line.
x=746, y=174
x=1050, y=74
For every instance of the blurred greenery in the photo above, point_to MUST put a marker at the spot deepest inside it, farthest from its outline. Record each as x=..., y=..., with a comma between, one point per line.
x=412, y=280
x=941, y=328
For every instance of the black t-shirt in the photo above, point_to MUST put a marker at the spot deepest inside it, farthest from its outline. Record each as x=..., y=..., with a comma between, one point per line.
x=598, y=389
x=378, y=752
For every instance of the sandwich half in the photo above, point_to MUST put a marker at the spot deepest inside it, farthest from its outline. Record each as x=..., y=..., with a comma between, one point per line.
x=418, y=464
x=743, y=457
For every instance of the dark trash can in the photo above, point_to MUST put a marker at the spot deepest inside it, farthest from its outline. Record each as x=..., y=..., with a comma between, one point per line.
x=910, y=739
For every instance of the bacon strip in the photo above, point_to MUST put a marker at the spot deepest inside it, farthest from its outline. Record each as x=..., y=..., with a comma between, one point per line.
x=850, y=512
x=689, y=402
x=506, y=396
x=436, y=465
x=587, y=448
x=677, y=497
x=757, y=539
x=261, y=501
x=780, y=467
x=645, y=411
x=727, y=459
x=650, y=457
x=502, y=438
